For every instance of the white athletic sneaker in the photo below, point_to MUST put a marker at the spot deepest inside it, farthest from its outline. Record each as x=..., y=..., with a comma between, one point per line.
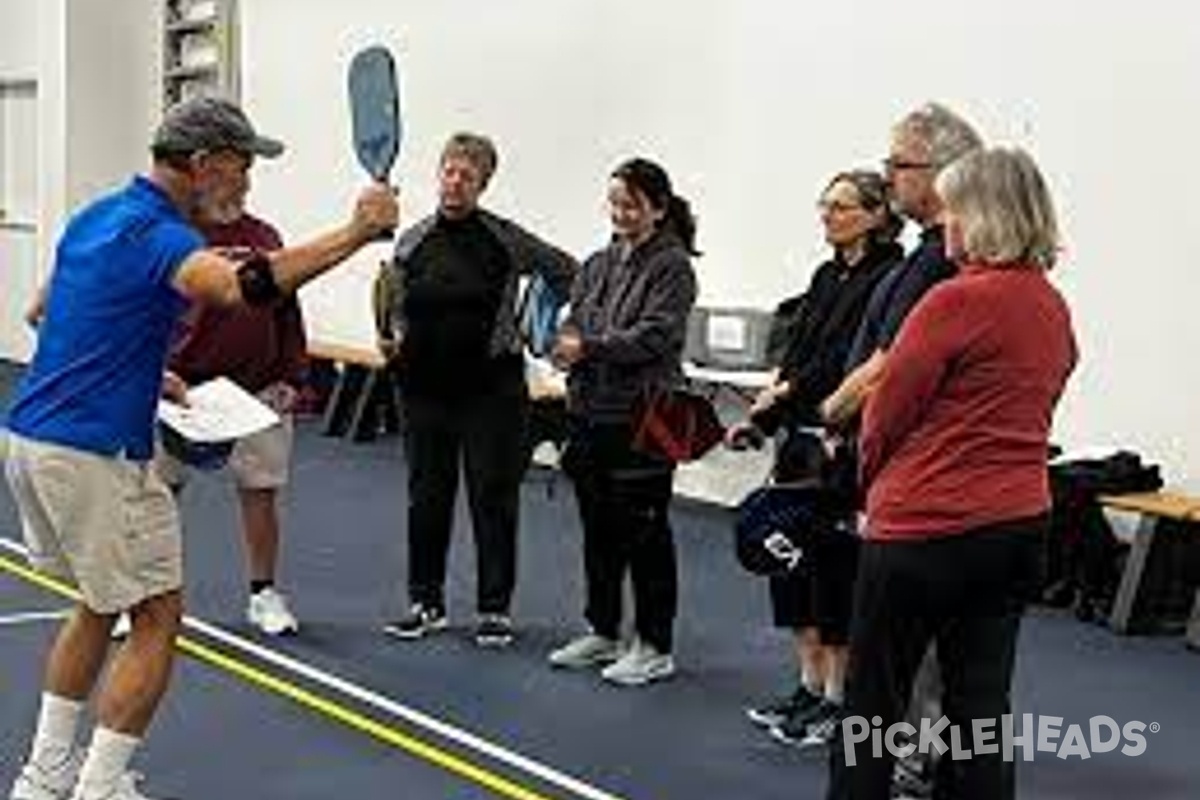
x=268, y=611
x=641, y=664
x=584, y=651
x=126, y=789
x=37, y=783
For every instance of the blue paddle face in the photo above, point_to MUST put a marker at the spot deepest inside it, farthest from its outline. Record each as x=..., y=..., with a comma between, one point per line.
x=375, y=110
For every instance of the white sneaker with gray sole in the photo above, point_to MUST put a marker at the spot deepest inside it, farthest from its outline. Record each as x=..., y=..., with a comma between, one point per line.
x=640, y=665
x=36, y=782
x=585, y=651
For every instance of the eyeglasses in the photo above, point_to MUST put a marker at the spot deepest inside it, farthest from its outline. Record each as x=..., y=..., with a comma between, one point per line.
x=837, y=206
x=896, y=164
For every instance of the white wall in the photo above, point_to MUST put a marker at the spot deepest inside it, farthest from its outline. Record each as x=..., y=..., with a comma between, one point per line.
x=18, y=38
x=95, y=65
x=752, y=105
x=113, y=95
x=19, y=108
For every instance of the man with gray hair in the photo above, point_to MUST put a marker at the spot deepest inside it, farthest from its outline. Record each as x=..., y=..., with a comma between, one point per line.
x=924, y=142
x=94, y=510
x=454, y=317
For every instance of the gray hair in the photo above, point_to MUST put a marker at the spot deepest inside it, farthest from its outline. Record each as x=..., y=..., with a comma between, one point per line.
x=477, y=149
x=1004, y=208
x=947, y=135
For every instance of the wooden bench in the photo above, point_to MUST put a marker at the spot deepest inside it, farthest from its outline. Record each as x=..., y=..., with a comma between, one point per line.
x=1149, y=556
x=364, y=396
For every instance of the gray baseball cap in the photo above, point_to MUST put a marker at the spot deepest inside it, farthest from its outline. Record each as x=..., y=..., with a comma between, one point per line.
x=211, y=123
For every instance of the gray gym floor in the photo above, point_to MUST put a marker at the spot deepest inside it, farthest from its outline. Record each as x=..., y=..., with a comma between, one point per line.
x=342, y=711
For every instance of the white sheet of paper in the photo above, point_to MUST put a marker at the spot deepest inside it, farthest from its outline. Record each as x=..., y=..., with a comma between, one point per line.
x=726, y=333
x=217, y=411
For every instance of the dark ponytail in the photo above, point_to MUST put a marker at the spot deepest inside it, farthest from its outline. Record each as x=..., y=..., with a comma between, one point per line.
x=682, y=222
x=652, y=182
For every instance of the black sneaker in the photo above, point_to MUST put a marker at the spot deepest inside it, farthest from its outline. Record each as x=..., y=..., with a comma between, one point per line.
x=811, y=727
x=493, y=630
x=774, y=712
x=420, y=621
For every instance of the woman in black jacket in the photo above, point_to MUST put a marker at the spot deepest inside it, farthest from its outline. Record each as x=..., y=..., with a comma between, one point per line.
x=815, y=601
x=623, y=340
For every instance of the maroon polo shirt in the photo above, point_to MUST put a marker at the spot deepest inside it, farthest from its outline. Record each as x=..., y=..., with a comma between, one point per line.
x=253, y=346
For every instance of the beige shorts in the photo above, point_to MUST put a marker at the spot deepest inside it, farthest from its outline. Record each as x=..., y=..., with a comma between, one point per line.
x=107, y=525
x=260, y=461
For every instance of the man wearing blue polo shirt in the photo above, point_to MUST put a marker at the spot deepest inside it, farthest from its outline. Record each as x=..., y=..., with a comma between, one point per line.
x=93, y=509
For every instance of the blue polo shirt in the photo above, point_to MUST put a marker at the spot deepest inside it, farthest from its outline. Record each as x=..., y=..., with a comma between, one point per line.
x=97, y=372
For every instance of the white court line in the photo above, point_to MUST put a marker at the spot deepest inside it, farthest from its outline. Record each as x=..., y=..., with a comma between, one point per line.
x=25, y=617
x=383, y=703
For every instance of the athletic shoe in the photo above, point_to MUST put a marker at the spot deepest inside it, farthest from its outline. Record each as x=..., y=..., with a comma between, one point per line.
x=640, y=664
x=589, y=650
x=421, y=621
x=813, y=726
x=125, y=789
x=493, y=630
x=39, y=783
x=268, y=611
x=775, y=712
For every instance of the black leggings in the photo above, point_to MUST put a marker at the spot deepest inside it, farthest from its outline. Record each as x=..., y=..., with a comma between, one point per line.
x=966, y=593
x=623, y=498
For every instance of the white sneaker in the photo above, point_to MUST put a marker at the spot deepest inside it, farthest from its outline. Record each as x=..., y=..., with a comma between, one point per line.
x=126, y=789
x=641, y=664
x=584, y=651
x=38, y=783
x=268, y=611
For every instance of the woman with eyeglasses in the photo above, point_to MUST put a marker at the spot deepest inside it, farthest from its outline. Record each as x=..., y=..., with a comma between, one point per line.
x=814, y=601
x=953, y=455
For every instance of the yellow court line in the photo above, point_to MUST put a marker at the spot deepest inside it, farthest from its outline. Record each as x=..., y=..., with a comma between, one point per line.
x=313, y=702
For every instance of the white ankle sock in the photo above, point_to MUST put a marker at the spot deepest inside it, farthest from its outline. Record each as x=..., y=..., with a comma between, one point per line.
x=55, y=736
x=106, y=761
x=811, y=682
x=835, y=686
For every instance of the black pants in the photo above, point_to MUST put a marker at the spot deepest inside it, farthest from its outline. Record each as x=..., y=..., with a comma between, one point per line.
x=966, y=593
x=623, y=499
x=484, y=434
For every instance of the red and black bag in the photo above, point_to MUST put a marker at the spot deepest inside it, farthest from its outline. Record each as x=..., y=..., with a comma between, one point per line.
x=676, y=424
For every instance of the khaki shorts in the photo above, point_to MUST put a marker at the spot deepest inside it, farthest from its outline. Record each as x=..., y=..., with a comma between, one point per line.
x=260, y=461
x=107, y=525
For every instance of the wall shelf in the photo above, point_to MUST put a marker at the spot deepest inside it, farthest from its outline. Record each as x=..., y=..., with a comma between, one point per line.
x=183, y=26
x=198, y=71
x=199, y=49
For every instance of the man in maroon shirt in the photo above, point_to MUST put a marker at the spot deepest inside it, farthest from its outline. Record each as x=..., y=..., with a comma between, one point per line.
x=262, y=349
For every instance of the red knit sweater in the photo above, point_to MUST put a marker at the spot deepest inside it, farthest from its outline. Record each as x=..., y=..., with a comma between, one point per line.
x=955, y=436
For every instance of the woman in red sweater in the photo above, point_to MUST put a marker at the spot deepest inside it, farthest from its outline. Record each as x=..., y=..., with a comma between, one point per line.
x=953, y=452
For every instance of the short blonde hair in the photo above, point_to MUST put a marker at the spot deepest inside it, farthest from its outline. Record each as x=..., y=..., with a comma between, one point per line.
x=477, y=149
x=1003, y=205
